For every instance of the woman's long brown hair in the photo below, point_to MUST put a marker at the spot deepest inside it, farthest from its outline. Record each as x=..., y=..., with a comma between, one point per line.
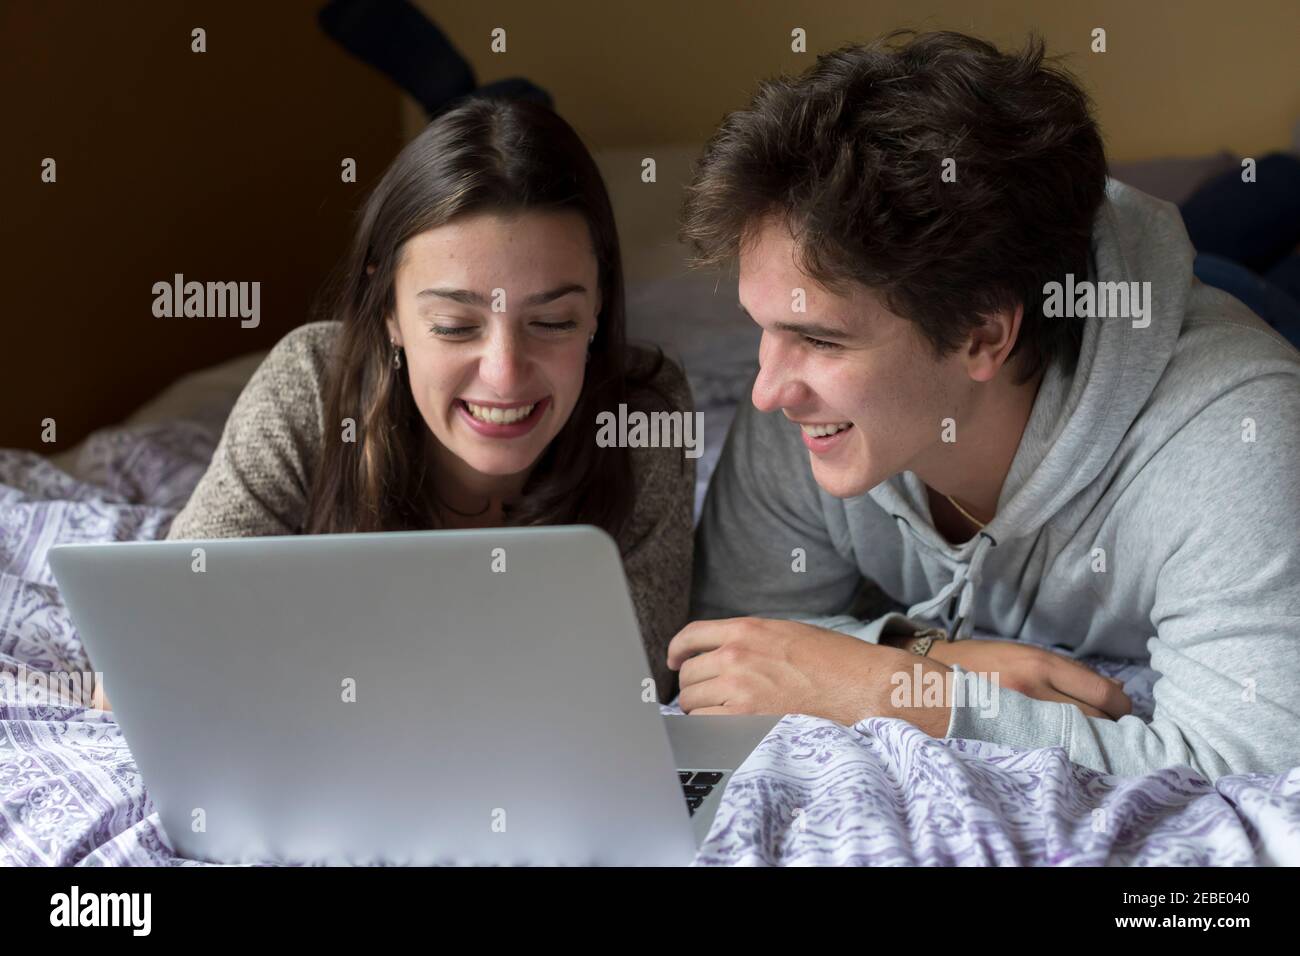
x=485, y=154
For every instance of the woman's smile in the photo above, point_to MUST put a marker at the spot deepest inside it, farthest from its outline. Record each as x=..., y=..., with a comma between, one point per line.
x=501, y=419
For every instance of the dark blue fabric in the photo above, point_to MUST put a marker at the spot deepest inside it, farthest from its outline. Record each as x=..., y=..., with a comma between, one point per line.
x=1256, y=224
x=1246, y=235
x=1262, y=297
x=398, y=40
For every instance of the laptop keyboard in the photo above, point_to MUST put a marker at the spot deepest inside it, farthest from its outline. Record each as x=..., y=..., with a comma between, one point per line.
x=698, y=784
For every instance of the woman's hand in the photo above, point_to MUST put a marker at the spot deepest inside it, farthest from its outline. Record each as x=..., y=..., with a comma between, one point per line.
x=99, y=699
x=1038, y=673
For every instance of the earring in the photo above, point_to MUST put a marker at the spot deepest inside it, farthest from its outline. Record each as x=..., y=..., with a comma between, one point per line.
x=591, y=338
x=397, y=354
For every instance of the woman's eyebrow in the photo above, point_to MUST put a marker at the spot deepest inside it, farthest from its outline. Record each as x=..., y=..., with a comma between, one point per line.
x=470, y=297
x=541, y=298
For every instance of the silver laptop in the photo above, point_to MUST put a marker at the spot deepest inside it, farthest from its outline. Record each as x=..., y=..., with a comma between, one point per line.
x=458, y=697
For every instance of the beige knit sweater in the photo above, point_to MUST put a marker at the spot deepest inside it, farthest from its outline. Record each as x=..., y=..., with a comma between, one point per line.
x=261, y=473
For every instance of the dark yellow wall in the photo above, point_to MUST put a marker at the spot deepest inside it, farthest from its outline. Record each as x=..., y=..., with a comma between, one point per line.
x=221, y=166
x=1179, y=77
x=225, y=165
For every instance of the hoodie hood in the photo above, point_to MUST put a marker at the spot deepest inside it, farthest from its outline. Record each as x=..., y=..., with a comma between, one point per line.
x=1080, y=417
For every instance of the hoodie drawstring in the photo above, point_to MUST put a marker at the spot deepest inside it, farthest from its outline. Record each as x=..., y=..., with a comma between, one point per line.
x=965, y=581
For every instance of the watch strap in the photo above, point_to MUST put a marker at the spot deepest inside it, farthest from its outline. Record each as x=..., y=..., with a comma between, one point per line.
x=921, y=641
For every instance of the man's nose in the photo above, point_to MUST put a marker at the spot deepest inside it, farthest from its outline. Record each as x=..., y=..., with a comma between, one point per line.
x=776, y=387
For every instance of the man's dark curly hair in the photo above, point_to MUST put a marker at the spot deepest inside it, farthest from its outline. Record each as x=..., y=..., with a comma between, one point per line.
x=850, y=154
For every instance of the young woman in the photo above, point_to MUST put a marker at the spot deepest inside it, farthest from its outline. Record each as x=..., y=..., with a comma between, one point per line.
x=474, y=332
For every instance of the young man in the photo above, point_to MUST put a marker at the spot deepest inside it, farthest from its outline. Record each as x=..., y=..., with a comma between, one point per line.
x=992, y=394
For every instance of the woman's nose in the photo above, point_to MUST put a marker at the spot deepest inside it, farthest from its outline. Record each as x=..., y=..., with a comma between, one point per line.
x=503, y=364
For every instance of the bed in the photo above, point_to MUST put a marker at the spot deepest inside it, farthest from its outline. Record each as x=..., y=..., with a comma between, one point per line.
x=814, y=792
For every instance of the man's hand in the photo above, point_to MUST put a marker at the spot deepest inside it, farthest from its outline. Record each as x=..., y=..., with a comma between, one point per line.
x=1038, y=673
x=748, y=665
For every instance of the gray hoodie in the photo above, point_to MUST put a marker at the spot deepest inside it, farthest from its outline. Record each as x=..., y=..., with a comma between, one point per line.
x=1152, y=511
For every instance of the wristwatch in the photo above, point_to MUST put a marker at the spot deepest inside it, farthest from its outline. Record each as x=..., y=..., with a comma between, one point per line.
x=921, y=641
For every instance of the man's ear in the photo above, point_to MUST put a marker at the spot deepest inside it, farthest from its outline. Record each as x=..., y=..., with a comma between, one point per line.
x=991, y=342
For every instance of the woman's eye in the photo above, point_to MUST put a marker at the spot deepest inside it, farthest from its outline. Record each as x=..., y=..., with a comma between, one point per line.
x=820, y=345
x=450, y=331
x=565, y=326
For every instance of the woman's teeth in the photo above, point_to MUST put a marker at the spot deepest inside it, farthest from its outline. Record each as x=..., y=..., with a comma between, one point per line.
x=821, y=431
x=500, y=416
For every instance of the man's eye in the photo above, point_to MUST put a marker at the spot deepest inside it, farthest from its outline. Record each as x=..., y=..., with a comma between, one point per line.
x=565, y=326
x=821, y=345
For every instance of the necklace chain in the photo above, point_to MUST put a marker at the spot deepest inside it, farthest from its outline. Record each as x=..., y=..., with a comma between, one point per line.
x=969, y=517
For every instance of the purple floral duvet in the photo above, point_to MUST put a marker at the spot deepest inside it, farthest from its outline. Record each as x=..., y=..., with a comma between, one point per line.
x=814, y=792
